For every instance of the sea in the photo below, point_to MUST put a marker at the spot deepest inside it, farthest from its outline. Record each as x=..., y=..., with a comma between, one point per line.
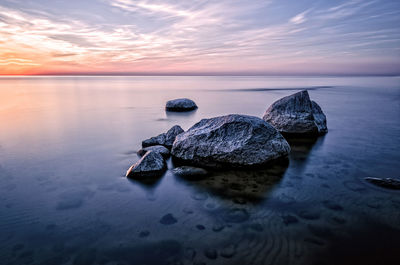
x=66, y=143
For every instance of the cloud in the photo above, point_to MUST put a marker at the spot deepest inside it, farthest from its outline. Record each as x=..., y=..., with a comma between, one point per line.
x=17, y=61
x=137, y=6
x=195, y=36
x=300, y=18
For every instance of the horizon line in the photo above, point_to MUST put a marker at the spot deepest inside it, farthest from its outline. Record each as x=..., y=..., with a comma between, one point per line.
x=206, y=74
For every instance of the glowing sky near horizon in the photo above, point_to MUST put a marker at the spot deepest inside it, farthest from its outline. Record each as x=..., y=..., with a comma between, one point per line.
x=200, y=36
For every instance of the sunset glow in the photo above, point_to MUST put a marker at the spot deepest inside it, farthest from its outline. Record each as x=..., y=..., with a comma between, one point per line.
x=254, y=37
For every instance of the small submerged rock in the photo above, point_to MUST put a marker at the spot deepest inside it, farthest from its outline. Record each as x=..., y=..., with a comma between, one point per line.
x=156, y=148
x=200, y=227
x=297, y=114
x=210, y=253
x=231, y=140
x=218, y=227
x=165, y=139
x=289, y=219
x=168, y=219
x=228, y=251
x=189, y=172
x=144, y=233
x=180, y=104
x=388, y=183
x=152, y=164
x=332, y=205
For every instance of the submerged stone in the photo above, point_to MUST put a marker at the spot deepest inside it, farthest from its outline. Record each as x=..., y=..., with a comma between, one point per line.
x=388, y=183
x=168, y=219
x=190, y=172
x=210, y=253
x=228, y=251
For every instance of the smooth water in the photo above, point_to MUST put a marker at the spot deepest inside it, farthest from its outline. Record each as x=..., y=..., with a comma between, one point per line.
x=66, y=143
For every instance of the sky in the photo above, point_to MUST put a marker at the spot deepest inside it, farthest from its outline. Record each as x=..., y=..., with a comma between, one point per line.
x=199, y=37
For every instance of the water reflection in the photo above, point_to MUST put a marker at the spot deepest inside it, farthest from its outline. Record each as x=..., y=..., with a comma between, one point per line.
x=180, y=115
x=301, y=148
x=241, y=185
x=149, y=183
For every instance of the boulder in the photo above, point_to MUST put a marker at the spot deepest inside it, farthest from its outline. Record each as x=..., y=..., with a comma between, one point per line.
x=152, y=164
x=297, y=115
x=180, y=104
x=156, y=148
x=171, y=134
x=189, y=172
x=165, y=139
x=232, y=140
x=388, y=183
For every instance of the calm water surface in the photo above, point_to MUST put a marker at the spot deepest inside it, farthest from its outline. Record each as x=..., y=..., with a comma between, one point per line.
x=66, y=143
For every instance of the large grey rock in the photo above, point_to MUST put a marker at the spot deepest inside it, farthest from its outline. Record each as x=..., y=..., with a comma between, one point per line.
x=297, y=114
x=180, y=104
x=165, y=139
x=232, y=140
x=156, y=148
x=152, y=164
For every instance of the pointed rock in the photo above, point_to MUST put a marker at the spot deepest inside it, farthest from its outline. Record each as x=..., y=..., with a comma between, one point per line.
x=171, y=134
x=165, y=139
x=297, y=114
x=152, y=164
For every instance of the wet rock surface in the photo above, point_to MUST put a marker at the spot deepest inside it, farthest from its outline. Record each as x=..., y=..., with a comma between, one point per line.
x=152, y=164
x=388, y=183
x=180, y=105
x=232, y=140
x=155, y=148
x=165, y=139
x=297, y=115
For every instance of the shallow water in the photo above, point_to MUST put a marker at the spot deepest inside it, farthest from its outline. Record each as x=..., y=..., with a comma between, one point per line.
x=66, y=143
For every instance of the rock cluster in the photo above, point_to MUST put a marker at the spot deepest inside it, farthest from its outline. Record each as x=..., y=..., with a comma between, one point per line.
x=229, y=141
x=154, y=152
